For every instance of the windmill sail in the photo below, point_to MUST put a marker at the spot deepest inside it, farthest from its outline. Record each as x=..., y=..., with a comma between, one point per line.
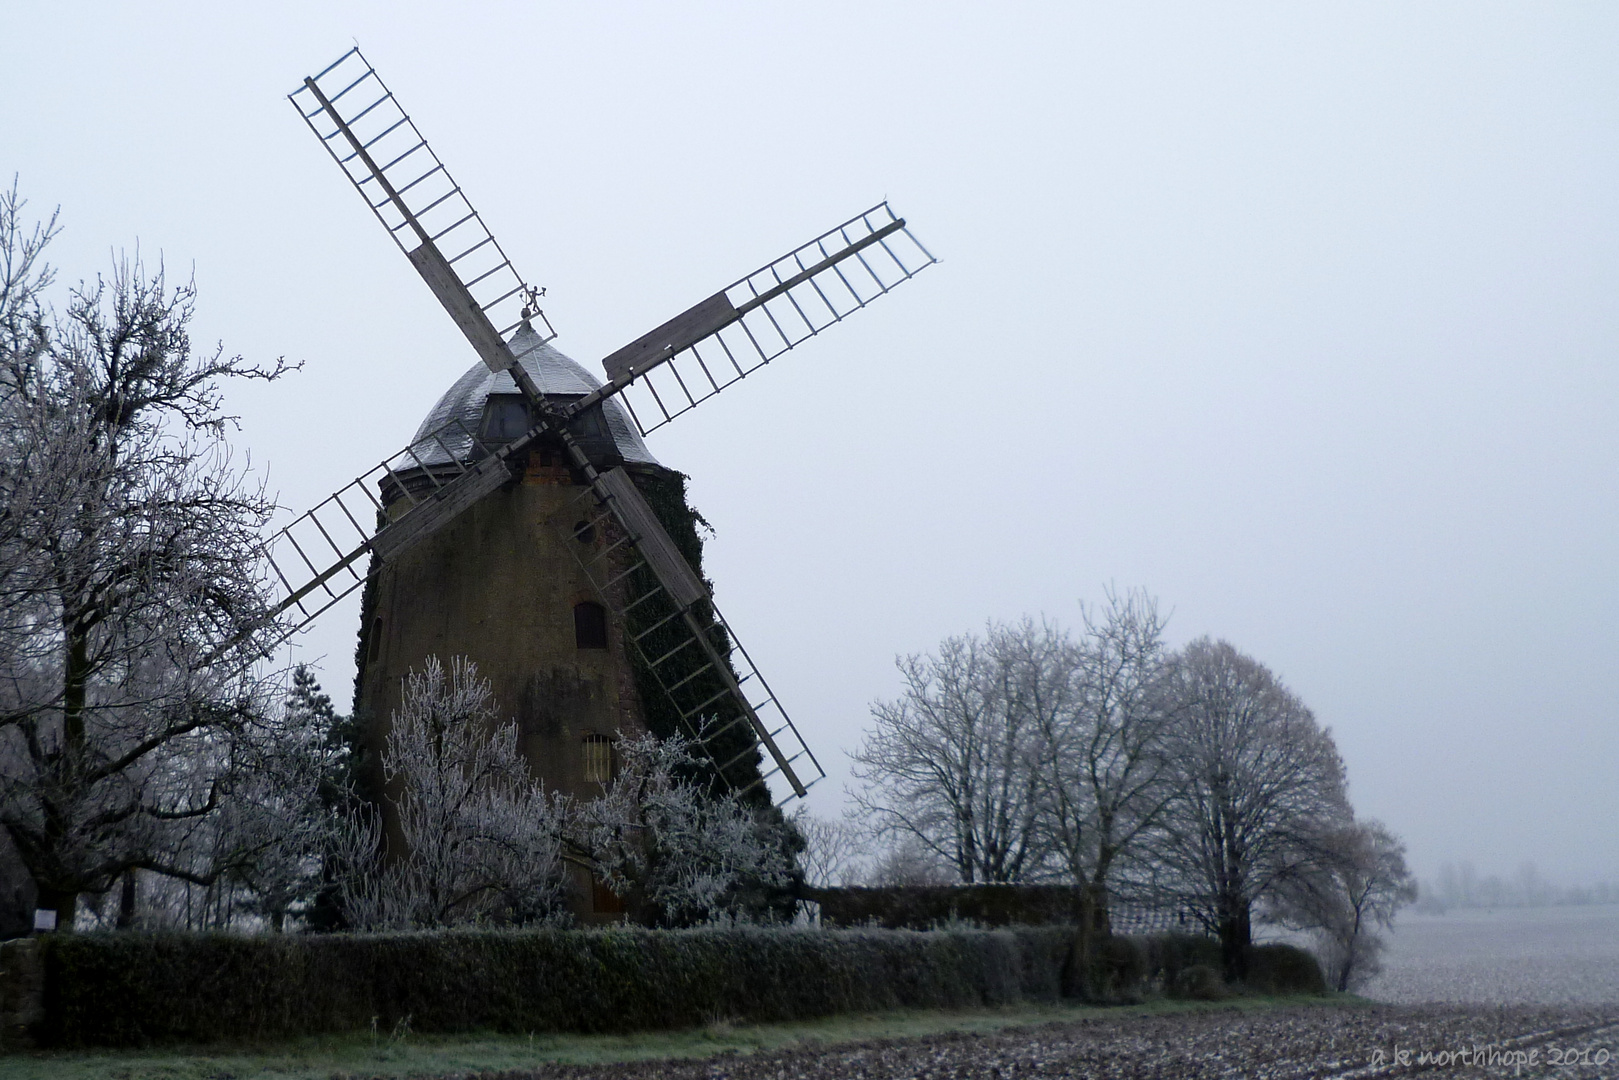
x=669, y=617
x=385, y=157
x=739, y=329
x=323, y=555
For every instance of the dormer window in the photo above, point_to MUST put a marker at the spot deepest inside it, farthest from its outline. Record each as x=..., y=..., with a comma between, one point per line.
x=505, y=417
x=589, y=424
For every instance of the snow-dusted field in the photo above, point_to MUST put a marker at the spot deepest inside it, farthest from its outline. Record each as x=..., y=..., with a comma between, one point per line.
x=1510, y=956
x=1453, y=1042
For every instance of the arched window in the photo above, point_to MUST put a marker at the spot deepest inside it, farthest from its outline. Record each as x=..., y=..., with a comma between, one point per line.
x=597, y=759
x=590, y=626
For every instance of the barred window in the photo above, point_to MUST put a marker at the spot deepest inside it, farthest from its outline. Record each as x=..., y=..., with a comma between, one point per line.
x=598, y=759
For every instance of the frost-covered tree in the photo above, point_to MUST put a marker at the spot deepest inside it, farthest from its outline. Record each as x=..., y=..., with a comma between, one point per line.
x=477, y=838
x=131, y=601
x=656, y=837
x=904, y=861
x=1353, y=888
x=258, y=859
x=279, y=821
x=1026, y=752
x=471, y=836
x=1259, y=789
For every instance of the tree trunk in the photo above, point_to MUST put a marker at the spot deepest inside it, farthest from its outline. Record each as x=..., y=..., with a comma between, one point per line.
x=1093, y=928
x=1351, y=954
x=126, y=902
x=1081, y=978
x=1101, y=915
x=70, y=760
x=1236, y=934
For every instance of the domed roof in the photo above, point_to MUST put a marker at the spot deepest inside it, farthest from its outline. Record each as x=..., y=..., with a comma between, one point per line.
x=461, y=410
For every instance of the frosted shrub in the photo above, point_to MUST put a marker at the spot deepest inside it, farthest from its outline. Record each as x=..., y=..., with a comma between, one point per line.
x=480, y=838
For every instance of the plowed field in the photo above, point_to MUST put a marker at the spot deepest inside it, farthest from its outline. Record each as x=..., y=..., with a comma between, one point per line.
x=1303, y=1043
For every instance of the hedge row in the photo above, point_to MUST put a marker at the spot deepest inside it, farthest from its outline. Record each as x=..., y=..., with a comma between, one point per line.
x=129, y=989
x=123, y=989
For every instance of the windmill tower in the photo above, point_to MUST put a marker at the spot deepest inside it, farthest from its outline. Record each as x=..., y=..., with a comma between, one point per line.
x=503, y=582
x=527, y=525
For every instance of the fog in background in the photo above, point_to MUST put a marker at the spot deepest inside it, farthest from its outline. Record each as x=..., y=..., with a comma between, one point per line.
x=1302, y=317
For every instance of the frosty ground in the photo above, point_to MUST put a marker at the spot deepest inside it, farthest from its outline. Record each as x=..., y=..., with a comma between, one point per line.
x=1303, y=1043
x=1513, y=956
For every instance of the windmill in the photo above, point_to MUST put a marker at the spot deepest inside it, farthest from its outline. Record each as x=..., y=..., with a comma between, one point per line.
x=576, y=435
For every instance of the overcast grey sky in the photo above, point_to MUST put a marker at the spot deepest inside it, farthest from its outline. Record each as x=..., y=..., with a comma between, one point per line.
x=1300, y=316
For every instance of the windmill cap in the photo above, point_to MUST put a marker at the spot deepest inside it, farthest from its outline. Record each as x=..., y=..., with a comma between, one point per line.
x=461, y=409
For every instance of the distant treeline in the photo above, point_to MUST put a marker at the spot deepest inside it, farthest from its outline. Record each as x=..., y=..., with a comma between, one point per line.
x=1460, y=885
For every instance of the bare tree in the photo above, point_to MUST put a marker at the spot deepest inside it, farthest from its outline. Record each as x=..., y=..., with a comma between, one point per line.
x=1260, y=787
x=131, y=603
x=905, y=861
x=1356, y=885
x=834, y=849
x=951, y=763
x=655, y=836
x=477, y=839
x=1099, y=707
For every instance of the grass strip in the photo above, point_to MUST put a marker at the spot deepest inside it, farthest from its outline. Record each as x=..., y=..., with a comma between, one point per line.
x=401, y=1053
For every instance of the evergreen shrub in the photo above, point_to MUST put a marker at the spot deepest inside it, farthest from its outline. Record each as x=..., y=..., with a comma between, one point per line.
x=127, y=989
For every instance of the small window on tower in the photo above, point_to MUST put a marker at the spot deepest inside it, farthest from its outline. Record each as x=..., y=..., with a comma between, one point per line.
x=590, y=626
x=598, y=759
